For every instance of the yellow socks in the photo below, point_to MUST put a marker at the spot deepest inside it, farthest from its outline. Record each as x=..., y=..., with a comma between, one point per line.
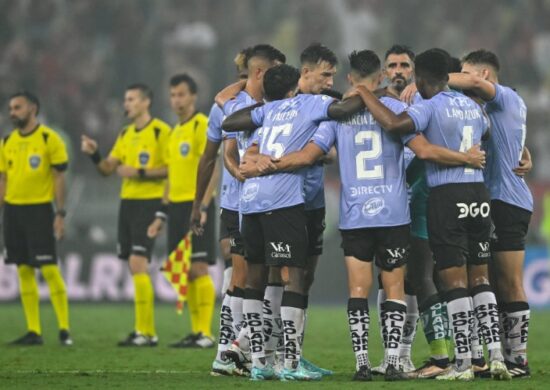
x=144, y=298
x=193, y=303
x=206, y=299
x=58, y=294
x=29, y=297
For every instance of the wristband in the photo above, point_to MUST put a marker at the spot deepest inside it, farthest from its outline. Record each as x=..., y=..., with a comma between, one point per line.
x=204, y=208
x=96, y=157
x=61, y=213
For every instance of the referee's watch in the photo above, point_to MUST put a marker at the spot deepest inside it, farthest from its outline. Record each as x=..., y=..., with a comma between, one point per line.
x=61, y=213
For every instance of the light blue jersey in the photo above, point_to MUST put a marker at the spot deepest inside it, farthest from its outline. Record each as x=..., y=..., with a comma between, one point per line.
x=454, y=121
x=508, y=115
x=286, y=126
x=372, y=170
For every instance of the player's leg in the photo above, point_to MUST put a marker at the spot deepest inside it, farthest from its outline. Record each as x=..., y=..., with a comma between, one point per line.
x=272, y=315
x=508, y=246
x=17, y=253
x=409, y=329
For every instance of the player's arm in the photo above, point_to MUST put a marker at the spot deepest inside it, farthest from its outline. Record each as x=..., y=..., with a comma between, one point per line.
x=330, y=157
x=231, y=158
x=339, y=110
x=59, y=189
x=241, y=120
x=474, y=157
x=525, y=164
x=161, y=215
x=229, y=92
x=309, y=155
x=105, y=166
x=481, y=87
x=204, y=174
x=390, y=122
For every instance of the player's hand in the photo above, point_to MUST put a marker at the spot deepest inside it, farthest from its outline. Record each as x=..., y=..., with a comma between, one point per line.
x=408, y=93
x=476, y=157
x=126, y=171
x=155, y=228
x=525, y=166
x=204, y=218
x=87, y=144
x=196, y=227
x=59, y=227
x=248, y=170
x=266, y=164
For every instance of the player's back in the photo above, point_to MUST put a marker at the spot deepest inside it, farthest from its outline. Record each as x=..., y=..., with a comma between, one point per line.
x=508, y=115
x=372, y=170
x=452, y=120
x=286, y=126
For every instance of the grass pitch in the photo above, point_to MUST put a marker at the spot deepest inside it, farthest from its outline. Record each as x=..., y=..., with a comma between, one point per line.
x=95, y=361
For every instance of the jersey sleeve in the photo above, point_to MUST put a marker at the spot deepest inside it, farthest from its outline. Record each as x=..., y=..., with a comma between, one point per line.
x=258, y=115
x=215, y=118
x=497, y=103
x=420, y=114
x=319, y=107
x=164, y=144
x=325, y=136
x=56, y=150
x=2, y=158
x=117, y=152
x=200, y=141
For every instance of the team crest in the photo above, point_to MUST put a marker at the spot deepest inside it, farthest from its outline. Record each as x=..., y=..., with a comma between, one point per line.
x=373, y=207
x=250, y=191
x=34, y=161
x=184, y=149
x=144, y=158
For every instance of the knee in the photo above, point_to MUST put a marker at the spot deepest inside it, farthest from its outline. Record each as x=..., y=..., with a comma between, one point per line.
x=358, y=292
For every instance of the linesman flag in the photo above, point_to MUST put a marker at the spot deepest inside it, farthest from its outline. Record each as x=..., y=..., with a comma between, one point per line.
x=176, y=269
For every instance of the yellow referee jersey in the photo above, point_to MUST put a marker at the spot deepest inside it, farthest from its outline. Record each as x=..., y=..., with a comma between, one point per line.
x=27, y=161
x=185, y=148
x=142, y=148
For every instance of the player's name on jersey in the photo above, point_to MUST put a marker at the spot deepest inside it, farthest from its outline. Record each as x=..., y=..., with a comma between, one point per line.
x=463, y=114
x=360, y=120
x=283, y=116
x=369, y=190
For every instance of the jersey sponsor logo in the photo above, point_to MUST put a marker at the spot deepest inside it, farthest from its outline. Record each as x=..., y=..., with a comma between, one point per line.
x=280, y=250
x=368, y=190
x=373, y=207
x=484, y=246
x=473, y=210
x=395, y=255
x=144, y=158
x=250, y=191
x=43, y=257
x=34, y=161
x=184, y=149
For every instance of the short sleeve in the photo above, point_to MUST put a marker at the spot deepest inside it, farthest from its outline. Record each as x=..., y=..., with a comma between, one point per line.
x=258, y=115
x=201, y=137
x=117, y=152
x=228, y=134
x=420, y=114
x=164, y=144
x=214, y=130
x=319, y=107
x=405, y=139
x=497, y=103
x=325, y=136
x=2, y=158
x=56, y=150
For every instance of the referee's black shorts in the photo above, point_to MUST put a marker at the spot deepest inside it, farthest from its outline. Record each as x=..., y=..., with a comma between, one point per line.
x=134, y=218
x=28, y=234
x=204, y=247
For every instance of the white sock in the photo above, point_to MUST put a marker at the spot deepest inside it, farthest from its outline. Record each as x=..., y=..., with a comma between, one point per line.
x=226, y=329
x=253, y=312
x=359, y=321
x=486, y=313
x=395, y=313
x=409, y=330
x=476, y=338
x=292, y=315
x=516, y=331
x=236, y=304
x=272, y=318
x=380, y=299
x=461, y=321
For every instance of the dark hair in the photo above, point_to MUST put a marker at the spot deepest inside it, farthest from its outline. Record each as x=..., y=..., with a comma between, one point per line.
x=364, y=62
x=31, y=98
x=432, y=65
x=455, y=66
x=316, y=52
x=400, y=49
x=333, y=93
x=482, y=56
x=184, y=78
x=144, y=89
x=279, y=81
x=267, y=52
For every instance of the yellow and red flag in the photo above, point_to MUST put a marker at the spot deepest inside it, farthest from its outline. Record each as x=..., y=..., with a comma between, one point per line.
x=176, y=268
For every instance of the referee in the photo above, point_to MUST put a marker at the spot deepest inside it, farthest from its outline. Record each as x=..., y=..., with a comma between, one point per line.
x=185, y=148
x=138, y=157
x=33, y=161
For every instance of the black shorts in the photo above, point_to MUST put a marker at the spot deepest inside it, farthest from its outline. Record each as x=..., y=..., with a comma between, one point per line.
x=134, y=217
x=459, y=224
x=389, y=246
x=276, y=238
x=204, y=247
x=315, y=229
x=510, y=225
x=28, y=234
x=230, y=228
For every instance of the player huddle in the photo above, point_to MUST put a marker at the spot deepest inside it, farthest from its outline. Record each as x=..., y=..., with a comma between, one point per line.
x=432, y=192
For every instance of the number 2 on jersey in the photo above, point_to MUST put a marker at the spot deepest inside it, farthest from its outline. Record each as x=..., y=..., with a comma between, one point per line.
x=376, y=172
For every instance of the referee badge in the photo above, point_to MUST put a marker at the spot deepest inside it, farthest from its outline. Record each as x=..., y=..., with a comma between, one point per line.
x=34, y=161
x=184, y=148
x=144, y=158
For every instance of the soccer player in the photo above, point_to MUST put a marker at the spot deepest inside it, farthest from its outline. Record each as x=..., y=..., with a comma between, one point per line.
x=274, y=221
x=458, y=212
x=185, y=147
x=33, y=161
x=374, y=216
x=511, y=199
x=138, y=157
